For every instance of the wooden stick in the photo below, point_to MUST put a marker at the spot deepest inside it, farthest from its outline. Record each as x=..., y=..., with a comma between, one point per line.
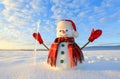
x=45, y=46
x=85, y=45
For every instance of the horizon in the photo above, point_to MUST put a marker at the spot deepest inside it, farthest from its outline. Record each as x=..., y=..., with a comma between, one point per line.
x=116, y=47
x=19, y=21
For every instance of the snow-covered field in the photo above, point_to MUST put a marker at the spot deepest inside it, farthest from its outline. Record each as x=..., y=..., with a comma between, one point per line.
x=98, y=64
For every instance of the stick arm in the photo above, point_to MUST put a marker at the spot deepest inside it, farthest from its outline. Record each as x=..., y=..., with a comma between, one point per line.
x=85, y=45
x=45, y=46
x=94, y=35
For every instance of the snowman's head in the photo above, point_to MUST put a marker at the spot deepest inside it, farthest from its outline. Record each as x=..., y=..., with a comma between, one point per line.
x=66, y=28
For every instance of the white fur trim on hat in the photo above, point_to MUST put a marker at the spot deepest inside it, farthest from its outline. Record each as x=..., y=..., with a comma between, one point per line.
x=76, y=34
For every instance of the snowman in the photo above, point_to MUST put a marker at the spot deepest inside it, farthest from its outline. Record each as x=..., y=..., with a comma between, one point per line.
x=64, y=53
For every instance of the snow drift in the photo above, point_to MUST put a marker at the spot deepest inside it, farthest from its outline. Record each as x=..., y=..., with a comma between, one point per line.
x=101, y=64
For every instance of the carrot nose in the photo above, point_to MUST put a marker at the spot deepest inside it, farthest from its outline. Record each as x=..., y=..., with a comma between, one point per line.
x=63, y=31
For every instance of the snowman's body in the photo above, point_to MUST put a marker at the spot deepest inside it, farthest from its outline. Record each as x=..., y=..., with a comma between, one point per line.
x=66, y=53
x=63, y=60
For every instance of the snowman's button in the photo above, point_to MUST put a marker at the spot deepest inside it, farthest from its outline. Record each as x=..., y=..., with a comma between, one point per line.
x=62, y=52
x=62, y=45
x=61, y=61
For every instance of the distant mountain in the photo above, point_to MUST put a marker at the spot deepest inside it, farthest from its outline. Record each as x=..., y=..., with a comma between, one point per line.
x=23, y=50
x=103, y=48
x=86, y=48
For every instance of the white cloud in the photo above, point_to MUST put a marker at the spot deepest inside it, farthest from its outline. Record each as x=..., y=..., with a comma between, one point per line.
x=66, y=9
x=119, y=20
x=19, y=20
x=36, y=6
x=16, y=12
x=81, y=14
x=102, y=20
x=49, y=29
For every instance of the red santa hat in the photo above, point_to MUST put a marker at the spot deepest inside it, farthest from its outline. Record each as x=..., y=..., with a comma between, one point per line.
x=73, y=25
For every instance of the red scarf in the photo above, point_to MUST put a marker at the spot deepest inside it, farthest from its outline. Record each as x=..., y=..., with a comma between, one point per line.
x=74, y=51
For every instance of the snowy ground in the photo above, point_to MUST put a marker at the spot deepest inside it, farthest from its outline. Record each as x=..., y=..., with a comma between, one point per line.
x=100, y=64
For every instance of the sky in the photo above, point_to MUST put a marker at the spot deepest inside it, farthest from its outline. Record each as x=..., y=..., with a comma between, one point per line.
x=18, y=21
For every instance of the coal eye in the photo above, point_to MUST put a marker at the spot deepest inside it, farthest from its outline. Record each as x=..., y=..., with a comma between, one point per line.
x=59, y=30
x=66, y=30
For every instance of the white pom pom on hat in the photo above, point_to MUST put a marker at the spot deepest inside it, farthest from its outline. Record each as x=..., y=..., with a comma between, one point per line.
x=74, y=27
x=76, y=34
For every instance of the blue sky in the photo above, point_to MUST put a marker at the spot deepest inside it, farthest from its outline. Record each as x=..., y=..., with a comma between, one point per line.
x=18, y=20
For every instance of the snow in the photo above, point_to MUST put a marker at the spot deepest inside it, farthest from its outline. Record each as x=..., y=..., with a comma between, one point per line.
x=98, y=64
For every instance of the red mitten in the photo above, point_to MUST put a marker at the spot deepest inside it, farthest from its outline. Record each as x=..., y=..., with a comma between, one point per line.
x=38, y=37
x=95, y=34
